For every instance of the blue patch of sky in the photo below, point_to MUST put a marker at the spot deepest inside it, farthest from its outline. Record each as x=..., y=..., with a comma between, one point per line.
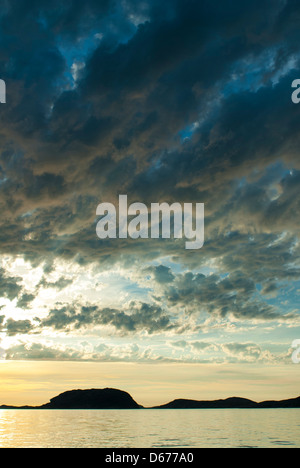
x=2, y=181
x=28, y=214
x=76, y=54
x=249, y=74
x=126, y=285
x=188, y=131
x=254, y=72
x=286, y=297
x=115, y=30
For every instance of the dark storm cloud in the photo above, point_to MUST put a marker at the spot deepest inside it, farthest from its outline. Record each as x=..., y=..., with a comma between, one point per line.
x=25, y=300
x=18, y=327
x=138, y=317
x=162, y=274
x=175, y=101
x=235, y=294
x=165, y=66
x=2, y=318
x=9, y=285
x=180, y=33
x=264, y=257
x=60, y=284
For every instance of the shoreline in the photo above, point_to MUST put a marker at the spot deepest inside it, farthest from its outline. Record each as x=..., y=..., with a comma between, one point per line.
x=114, y=399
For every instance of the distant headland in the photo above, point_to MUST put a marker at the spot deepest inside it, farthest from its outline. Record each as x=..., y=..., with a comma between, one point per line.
x=111, y=398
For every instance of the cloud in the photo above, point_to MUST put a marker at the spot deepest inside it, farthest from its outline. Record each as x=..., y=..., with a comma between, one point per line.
x=49, y=351
x=2, y=318
x=161, y=273
x=251, y=353
x=18, y=327
x=25, y=300
x=191, y=352
x=235, y=294
x=9, y=285
x=60, y=284
x=136, y=317
x=44, y=352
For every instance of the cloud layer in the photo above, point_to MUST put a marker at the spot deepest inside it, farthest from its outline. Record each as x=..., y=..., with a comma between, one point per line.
x=180, y=101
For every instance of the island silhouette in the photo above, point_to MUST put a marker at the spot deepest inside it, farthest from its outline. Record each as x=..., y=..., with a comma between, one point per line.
x=111, y=398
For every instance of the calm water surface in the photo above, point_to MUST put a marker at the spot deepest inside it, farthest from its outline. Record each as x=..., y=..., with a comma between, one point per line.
x=150, y=428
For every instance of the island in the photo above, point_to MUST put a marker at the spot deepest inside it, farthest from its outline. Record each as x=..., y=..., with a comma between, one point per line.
x=233, y=402
x=107, y=398
x=111, y=398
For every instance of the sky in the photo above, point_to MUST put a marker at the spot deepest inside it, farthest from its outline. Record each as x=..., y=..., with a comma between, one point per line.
x=174, y=101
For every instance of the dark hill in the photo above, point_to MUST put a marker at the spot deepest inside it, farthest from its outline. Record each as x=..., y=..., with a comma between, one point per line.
x=107, y=398
x=233, y=402
x=291, y=403
x=111, y=398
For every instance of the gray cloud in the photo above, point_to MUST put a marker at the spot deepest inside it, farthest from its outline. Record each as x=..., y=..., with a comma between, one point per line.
x=137, y=317
x=99, y=353
x=201, y=353
x=235, y=294
x=25, y=300
x=162, y=274
x=18, y=327
x=9, y=285
x=59, y=284
x=38, y=351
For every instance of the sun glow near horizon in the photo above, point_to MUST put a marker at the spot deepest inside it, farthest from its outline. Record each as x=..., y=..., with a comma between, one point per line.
x=34, y=383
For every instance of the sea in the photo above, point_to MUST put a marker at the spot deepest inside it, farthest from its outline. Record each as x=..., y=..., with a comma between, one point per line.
x=150, y=428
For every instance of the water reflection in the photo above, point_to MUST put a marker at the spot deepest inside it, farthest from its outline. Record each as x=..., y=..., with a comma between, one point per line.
x=150, y=428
